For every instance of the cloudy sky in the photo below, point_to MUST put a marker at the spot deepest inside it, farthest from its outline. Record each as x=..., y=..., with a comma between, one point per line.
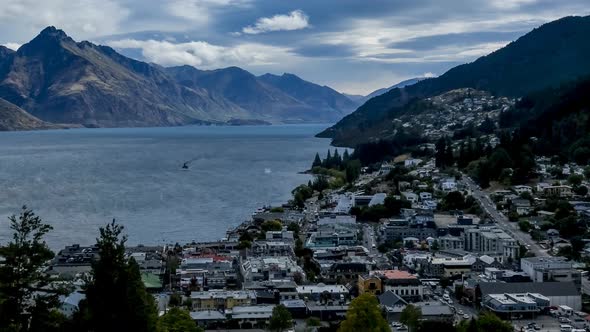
x=354, y=46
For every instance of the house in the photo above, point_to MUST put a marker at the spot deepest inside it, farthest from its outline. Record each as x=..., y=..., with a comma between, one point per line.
x=424, y=196
x=410, y=196
x=392, y=303
x=70, y=303
x=521, y=206
x=412, y=162
x=448, y=185
x=485, y=261
x=522, y=189
x=552, y=233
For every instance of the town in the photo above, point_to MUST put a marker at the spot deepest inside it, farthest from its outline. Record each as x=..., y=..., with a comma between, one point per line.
x=407, y=232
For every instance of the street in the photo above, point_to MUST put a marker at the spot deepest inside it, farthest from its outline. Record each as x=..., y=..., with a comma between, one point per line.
x=501, y=220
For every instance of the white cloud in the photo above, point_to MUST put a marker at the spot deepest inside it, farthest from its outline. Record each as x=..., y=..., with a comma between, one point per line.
x=23, y=19
x=429, y=74
x=510, y=4
x=205, y=55
x=12, y=46
x=200, y=12
x=295, y=20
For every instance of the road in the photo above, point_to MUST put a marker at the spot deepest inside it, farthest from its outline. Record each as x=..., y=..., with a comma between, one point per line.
x=501, y=220
x=369, y=241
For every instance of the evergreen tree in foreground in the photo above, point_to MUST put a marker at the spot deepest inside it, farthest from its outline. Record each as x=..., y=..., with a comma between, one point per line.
x=27, y=302
x=116, y=298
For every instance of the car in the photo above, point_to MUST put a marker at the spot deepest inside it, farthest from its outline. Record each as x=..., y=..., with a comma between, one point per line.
x=465, y=316
x=460, y=312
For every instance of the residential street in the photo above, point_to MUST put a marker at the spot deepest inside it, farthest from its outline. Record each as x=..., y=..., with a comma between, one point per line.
x=502, y=221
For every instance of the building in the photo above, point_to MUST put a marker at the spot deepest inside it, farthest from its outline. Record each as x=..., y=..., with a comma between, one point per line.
x=393, y=232
x=522, y=206
x=510, y=305
x=370, y=284
x=333, y=235
x=522, y=189
x=449, y=242
x=251, y=316
x=543, y=269
x=491, y=240
x=221, y=300
x=560, y=190
x=401, y=283
x=558, y=293
x=270, y=268
x=70, y=304
x=322, y=291
x=448, y=267
x=73, y=259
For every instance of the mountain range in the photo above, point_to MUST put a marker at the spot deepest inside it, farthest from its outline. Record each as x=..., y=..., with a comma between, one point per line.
x=59, y=80
x=548, y=56
x=362, y=99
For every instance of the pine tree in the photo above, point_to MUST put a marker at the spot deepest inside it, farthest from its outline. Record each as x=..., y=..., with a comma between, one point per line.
x=116, y=296
x=21, y=275
x=317, y=161
x=328, y=161
x=345, y=157
x=337, y=160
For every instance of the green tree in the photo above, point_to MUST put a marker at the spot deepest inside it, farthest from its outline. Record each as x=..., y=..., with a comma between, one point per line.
x=352, y=170
x=281, y=319
x=175, y=300
x=491, y=322
x=314, y=321
x=21, y=275
x=453, y=201
x=177, y=320
x=525, y=226
x=271, y=225
x=364, y=315
x=575, y=179
x=317, y=161
x=435, y=246
x=411, y=316
x=116, y=296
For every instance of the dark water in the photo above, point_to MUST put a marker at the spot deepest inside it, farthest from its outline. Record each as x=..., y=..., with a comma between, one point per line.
x=78, y=180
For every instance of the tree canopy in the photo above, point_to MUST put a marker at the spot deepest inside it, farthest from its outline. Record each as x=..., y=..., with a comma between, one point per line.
x=281, y=319
x=364, y=315
x=26, y=299
x=116, y=296
x=177, y=320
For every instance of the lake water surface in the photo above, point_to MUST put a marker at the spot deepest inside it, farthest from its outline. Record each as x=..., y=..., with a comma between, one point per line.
x=78, y=180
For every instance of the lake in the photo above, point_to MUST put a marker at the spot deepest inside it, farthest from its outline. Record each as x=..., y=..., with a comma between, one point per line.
x=80, y=179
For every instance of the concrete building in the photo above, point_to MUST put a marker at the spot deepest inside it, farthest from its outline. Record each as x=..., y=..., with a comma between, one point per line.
x=492, y=241
x=543, y=269
x=558, y=293
x=449, y=242
x=509, y=305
